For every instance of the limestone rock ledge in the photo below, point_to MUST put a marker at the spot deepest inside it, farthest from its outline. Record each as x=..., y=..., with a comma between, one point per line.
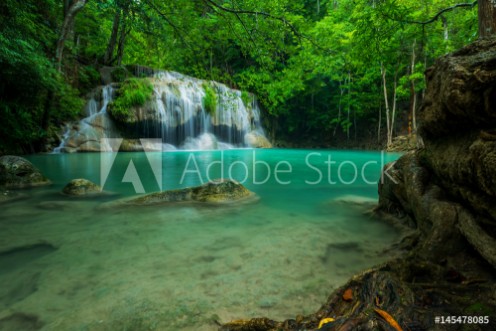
x=448, y=188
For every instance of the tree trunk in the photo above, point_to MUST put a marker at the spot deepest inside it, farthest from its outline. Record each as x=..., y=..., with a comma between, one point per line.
x=107, y=59
x=413, y=93
x=487, y=18
x=386, y=104
x=393, y=114
x=445, y=28
x=380, y=122
x=66, y=28
x=122, y=38
x=67, y=5
x=349, y=107
x=341, y=92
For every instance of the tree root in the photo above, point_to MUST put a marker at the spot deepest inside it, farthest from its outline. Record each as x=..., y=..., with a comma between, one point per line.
x=477, y=237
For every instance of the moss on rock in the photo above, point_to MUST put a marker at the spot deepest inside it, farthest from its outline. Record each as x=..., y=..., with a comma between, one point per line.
x=220, y=191
x=17, y=172
x=133, y=92
x=81, y=187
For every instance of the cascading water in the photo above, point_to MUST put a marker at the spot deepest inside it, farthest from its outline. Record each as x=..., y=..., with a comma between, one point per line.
x=178, y=114
x=87, y=134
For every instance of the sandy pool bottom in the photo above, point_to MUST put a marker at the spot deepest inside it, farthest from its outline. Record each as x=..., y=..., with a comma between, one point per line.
x=73, y=267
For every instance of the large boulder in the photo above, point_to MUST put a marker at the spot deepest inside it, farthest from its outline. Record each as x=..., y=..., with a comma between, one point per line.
x=17, y=172
x=219, y=191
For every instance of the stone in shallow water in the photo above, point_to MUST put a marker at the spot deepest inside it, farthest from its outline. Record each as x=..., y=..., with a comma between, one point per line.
x=81, y=187
x=355, y=200
x=17, y=172
x=219, y=191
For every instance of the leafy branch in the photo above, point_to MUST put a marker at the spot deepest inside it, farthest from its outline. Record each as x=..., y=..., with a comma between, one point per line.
x=437, y=16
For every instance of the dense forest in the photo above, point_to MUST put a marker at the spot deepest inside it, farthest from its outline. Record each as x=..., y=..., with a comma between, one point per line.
x=326, y=72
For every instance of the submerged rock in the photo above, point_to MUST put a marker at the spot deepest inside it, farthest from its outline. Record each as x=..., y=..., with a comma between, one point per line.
x=81, y=187
x=352, y=199
x=17, y=172
x=9, y=196
x=215, y=192
x=21, y=321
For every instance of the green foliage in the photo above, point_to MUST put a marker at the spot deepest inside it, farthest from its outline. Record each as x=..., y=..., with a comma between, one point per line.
x=89, y=77
x=306, y=61
x=210, y=99
x=133, y=92
x=247, y=99
x=68, y=103
x=119, y=74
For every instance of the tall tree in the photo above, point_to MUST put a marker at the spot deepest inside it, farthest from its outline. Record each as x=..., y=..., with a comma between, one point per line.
x=70, y=15
x=107, y=59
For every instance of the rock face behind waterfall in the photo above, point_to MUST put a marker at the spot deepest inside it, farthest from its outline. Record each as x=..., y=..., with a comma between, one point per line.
x=444, y=197
x=178, y=112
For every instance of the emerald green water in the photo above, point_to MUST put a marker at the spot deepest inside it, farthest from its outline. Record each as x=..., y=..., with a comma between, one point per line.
x=181, y=267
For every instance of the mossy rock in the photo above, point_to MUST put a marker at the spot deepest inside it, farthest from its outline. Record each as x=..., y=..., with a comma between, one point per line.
x=220, y=191
x=81, y=187
x=17, y=172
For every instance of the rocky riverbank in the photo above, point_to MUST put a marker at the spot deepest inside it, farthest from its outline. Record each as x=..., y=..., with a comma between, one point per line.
x=443, y=196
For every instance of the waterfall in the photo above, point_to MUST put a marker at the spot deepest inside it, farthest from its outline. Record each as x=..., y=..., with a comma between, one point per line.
x=177, y=114
x=87, y=134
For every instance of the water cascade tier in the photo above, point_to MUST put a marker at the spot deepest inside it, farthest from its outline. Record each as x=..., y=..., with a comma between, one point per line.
x=183, y=112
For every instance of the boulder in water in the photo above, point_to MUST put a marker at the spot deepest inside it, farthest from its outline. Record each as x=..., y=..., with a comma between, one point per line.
x=17, y=172
x=257, y=140
x=219, y=191
x=81, y=187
